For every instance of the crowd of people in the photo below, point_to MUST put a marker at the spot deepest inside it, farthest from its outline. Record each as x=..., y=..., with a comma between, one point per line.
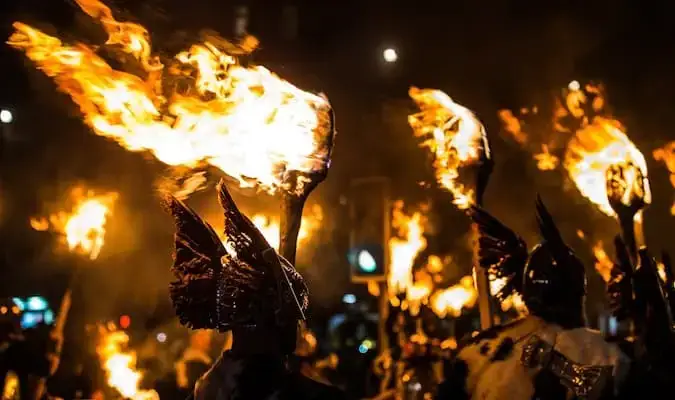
x=259, y=300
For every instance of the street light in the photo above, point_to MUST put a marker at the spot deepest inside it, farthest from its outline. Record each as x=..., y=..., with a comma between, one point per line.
x=390, y=55
x=6, y=116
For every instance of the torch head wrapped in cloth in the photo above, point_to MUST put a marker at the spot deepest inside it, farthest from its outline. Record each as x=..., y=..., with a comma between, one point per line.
x=230, y=284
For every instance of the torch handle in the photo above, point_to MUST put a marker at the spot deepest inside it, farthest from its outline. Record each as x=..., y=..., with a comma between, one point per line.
x=289, y=226
x=629, y=237
x=64, y=309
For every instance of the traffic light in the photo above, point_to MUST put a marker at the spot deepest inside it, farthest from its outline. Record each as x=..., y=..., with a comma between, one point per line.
x=369, y=219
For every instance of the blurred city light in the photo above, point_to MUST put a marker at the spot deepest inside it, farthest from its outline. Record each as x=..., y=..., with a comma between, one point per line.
x=125, y=321
x=574, y=86
x=390, y=55
x=366, y=261
x=161, y=337
x=36, y=303
x=366, y=346
x=19, y=303
x=49, y=317
x=3, y=310
x=349, y=298
x=6, y=116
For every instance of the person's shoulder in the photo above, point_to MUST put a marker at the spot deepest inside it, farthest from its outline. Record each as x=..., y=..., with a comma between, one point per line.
x=490, y=334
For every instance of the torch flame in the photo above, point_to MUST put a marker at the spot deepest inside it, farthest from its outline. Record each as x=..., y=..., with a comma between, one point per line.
x=594, y=151
x=84, y=226
x=453, y=134
x=120, y=365
x=600, y=152
x=245, y=121
x=420, y=287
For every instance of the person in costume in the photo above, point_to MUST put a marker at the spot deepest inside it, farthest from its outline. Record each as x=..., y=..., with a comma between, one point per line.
x=242, y=286
x=550, y=354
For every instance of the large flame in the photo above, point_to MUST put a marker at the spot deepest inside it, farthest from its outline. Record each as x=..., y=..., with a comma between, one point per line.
x=206, y=109
x=404, y=247
x=453, y=134
x=119, y=364
x=420, y=287
x=593, y=151
x=666, y=154
x=597, y=148
x=84, y=226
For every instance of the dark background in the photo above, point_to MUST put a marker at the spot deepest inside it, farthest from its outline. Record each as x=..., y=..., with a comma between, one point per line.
x=487, y=55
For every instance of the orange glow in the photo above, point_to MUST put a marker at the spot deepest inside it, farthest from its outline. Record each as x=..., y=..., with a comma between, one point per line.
x=513, y=126
x=454, y=136
x=603, y=264
x=84, y=226
x=269, y=227
x=593, y=151
x=455, y=298
x=545, y=160
x=119, y=364
x=125, y=321
x=205, y=109
x=666, y=155
x=420, y=287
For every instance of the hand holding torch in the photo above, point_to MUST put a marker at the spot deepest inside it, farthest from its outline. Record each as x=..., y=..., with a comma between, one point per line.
x=628, y=194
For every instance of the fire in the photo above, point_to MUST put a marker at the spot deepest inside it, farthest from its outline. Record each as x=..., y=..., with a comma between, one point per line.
x=455, y=298
x=594, y=151
x=513, y=126
x=599, y=149
x=404, y=247
x=420, y=287
x=666, y=154
x=206, y=109
x=545, y=160
x=603, y=264
x=120, y=365
x=453, y=134
x=269, y=226
x=84, y=226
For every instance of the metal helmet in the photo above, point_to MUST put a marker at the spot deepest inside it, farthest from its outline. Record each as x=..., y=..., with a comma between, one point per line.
x=554, y=280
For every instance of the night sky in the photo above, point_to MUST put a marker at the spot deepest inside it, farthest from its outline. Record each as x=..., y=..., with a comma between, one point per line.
x=487, y=55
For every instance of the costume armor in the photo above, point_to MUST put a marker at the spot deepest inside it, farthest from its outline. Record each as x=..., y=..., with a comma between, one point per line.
x=232, y=284
x=548, y=354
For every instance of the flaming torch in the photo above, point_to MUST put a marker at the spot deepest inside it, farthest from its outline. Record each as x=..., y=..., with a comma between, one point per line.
x=205, y=109
x=607, y=168
x=209, y=111
x=83, y=230
x=456, y=138
x=119, y=364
